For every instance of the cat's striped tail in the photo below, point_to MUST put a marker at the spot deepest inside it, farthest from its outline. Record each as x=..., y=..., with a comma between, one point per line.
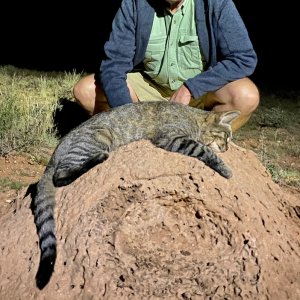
x=43, y=210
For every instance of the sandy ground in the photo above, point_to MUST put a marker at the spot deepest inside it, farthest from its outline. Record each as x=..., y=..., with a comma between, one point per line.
x=149, y=224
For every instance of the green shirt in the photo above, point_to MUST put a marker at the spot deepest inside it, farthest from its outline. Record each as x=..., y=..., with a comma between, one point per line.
x=173, y=53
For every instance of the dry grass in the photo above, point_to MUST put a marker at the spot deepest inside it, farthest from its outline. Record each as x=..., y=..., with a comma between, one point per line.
x=274, y=134
x=27, y=102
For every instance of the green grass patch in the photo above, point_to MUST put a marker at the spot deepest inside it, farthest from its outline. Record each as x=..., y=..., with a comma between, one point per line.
x=27, y=102
x=275, y=128
x=8, y=184
x=286, y=176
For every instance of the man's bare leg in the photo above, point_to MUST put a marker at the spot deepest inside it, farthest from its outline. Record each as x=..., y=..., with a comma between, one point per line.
x=91, y=97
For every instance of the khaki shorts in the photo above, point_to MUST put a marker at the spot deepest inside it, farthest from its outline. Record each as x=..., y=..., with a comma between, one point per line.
x=147, y=90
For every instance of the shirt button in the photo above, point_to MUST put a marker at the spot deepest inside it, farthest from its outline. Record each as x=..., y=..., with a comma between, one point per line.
x=172, y=64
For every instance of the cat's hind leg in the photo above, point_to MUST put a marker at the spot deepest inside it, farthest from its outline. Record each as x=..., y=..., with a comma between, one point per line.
x=66, y=173
x=84, y=150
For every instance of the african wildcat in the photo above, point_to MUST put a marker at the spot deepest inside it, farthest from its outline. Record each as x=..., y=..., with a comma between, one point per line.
x=173, y=127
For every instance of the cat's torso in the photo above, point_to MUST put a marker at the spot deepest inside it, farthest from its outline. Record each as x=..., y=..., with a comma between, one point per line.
x=145, y=120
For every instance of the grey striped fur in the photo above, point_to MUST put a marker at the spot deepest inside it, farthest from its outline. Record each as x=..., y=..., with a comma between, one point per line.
x=173, y=127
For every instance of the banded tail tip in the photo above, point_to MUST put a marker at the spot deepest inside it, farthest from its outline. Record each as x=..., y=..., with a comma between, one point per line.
x=45, y=271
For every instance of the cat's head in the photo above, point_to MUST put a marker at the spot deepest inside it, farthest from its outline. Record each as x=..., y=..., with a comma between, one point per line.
x=217, y=132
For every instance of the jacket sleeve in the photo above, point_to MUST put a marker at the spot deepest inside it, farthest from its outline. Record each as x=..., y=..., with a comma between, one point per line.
x=236, y=57
x=119, y=52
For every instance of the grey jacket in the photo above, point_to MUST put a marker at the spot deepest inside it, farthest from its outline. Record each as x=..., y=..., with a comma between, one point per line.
x=223, y=37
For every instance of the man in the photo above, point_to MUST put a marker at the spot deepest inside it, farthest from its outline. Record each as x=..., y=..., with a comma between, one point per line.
x=195, y=52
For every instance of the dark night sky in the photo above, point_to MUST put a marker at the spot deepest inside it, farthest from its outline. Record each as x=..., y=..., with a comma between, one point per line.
x=52, y=37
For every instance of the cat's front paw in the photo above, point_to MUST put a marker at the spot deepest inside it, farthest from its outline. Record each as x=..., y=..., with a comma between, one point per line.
x=226, y=172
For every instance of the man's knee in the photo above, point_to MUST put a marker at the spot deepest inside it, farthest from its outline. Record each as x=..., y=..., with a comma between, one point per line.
x=245, y=97
x=248, y=100
x=77, y=90
x=89, y=96
x=84, y=89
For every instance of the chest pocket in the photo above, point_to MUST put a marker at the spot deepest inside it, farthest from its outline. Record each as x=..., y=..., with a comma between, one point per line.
x=154, y=54
x=189, y=55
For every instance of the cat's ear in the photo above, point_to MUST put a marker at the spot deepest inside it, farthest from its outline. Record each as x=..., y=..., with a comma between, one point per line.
x=229, y=116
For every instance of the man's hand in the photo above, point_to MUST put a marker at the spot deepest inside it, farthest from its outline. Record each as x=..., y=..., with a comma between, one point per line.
x=182, y=95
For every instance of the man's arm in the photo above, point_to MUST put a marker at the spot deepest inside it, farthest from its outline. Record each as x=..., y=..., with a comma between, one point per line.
x=119, y=52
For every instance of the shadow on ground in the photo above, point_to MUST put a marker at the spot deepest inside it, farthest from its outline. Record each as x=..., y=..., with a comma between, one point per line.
x=67, y=116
